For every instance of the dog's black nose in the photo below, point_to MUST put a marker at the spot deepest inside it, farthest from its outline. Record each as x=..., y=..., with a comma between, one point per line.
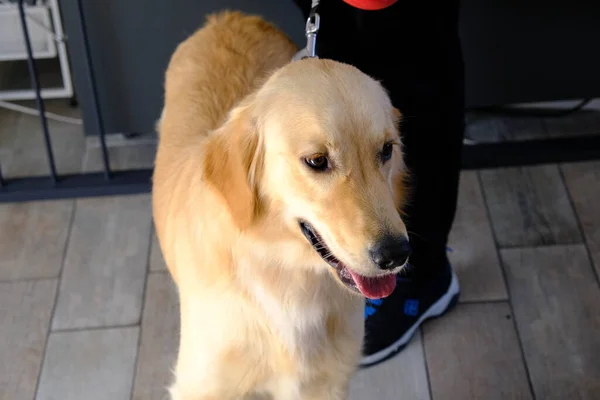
x=390, y=252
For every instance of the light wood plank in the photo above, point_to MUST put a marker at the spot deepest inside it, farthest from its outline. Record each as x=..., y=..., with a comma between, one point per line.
x=583, y=181
x=157, y=261
x=33, y=237
x=25, y=310
x=529, y=206
x=556, y=298
x=90, y=365
x=473, y=353
x=106, y=263
x=473, y=255
x=403, y=376
x=159, y=339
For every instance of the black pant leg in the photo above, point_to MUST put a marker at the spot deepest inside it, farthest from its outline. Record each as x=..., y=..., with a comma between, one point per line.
x=413, y=48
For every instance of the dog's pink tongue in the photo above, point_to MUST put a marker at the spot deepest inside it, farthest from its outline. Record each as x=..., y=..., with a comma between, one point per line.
x=374, y=288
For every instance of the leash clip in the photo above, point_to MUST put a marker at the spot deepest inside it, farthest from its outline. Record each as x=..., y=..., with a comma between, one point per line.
x=313, y=24
x=312, y=29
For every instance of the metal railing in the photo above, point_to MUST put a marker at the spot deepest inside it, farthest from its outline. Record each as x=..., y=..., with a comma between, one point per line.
x=54, y=186
x=109, y=182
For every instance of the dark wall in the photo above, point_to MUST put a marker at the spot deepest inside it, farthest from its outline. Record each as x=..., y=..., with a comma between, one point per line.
x=514, y=51
x=529, y=51
x=131, y=43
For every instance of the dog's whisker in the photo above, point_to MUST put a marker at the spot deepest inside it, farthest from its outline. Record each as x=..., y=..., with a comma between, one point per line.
x=416, y=234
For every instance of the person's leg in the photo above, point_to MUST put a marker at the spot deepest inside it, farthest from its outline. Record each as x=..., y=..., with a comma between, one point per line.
x=414, y=50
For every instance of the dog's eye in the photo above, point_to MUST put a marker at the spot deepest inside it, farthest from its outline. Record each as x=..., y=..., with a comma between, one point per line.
x=386, y=152
x=318, y=162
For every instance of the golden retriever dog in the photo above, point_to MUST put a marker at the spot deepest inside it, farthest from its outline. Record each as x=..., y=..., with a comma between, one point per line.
x=275, y=197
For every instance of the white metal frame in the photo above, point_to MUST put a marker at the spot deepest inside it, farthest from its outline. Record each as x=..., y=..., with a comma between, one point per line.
x=40, y=32
x=66, y=91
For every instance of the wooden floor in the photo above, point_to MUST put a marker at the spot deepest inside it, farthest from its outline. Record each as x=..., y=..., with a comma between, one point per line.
x=87, y=310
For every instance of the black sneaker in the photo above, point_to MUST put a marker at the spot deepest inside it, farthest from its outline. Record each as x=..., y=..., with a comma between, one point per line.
x=390, y=323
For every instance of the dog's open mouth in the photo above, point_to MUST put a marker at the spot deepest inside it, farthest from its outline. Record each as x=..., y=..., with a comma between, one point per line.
x=371, y=287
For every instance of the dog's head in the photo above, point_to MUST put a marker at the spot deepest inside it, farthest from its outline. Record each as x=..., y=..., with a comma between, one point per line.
x=314, y=155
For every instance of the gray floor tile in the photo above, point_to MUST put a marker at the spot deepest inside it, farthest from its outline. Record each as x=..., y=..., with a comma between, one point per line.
x=474, y=256
x=9, y=121
x=403, y=376
x=584, y=122
x=157, y=261
x=583, y=182
x=90, y=365
x=159, y=339
x=473, y=353
x=529, y=206
x=61, y=107
x=33, y=237
x=15, y=76
x=25, y=310
x=28, y=155
x=106, y=263
x=121, y=140
x=485, y=127
x=121, y=157
x=556, y=300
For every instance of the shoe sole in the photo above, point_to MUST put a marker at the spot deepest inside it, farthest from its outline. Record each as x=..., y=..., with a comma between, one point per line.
x=443, y=305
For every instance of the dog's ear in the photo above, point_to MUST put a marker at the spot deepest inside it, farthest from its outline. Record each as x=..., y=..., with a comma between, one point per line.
x=400, y=175
x=397, y=116
x=232, y=162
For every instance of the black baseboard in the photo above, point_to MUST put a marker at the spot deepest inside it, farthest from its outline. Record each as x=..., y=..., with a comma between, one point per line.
x=76, y=186
x=478, y=156
x=531, y=152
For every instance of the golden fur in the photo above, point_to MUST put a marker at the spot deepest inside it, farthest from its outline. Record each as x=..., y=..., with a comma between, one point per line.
x=261, y=312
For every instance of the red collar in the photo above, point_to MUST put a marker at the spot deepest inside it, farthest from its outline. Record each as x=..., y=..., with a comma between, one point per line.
x=370, y=5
